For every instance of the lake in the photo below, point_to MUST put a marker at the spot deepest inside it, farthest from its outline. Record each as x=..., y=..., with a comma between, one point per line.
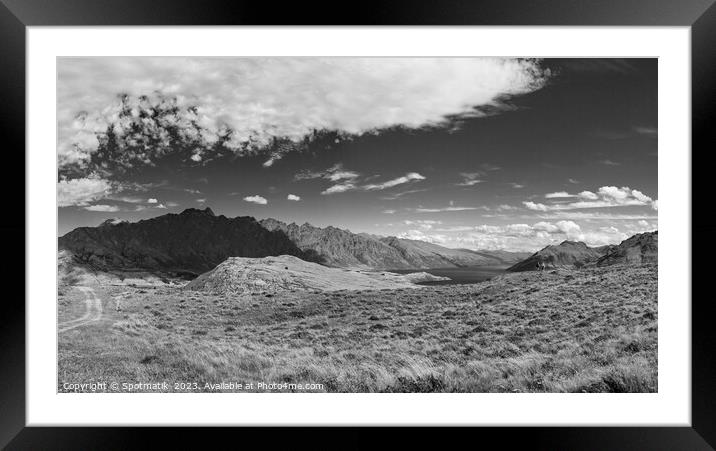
x=472, y=274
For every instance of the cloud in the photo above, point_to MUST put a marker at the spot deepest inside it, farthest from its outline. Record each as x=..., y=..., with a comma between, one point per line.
x=489, y=167
x=521, y=236
x=593, y=216
x=558, y=195
x=409, y=177
x=635, y=131
x=535, y=206
x=82, y=191
x=334, y=174
x=127, y=199
x=573, y=181
x=256, y=199
x=102, y=208
x=422, y=236
x=532, y=237
x=442, y=209
x=340, y=188
x=421, y=221
x=426, y=224
x=651, y=132
x=403, y=193
x=389, y=212
x=346, y=180
x=151, y=201
x=610, y=162
x=201, y=201
x=606, y=196
x=588, y=195
x=517, y=185
x=454, y=229
x=293, y=197
x=470, y=178
x=247, y=104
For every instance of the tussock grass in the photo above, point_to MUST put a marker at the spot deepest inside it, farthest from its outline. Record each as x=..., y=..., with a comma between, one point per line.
x=587, y=330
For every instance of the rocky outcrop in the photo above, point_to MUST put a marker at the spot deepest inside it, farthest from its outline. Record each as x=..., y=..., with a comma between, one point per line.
x=638, y=249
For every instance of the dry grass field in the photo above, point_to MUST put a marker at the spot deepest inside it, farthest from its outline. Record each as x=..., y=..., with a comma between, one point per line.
x=588, y=330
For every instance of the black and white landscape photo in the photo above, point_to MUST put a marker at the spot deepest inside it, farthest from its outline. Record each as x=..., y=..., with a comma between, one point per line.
x=345, y=224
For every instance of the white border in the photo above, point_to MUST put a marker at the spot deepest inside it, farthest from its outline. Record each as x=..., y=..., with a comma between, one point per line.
x=671, y=406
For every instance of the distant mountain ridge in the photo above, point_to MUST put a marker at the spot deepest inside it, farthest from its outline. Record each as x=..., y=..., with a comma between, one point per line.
x=195, y=241
x=640, y=248
x=342, y=248
x=188, y=243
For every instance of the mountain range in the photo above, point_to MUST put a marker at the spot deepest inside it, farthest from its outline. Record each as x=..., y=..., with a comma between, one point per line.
x=196, y=241
x=341, y=248
x=187, y=244
x=640, y=248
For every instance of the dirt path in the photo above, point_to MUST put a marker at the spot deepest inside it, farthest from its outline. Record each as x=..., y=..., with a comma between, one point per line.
x=93, y=313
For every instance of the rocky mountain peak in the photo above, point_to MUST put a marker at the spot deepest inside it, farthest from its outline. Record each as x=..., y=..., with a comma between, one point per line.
x=197, y=211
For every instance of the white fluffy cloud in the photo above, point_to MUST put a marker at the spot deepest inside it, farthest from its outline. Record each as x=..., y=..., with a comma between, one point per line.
x=340, y=188
x=523, y=236
x=558, y=195
x=256, y=199
x=264, y=98
x=102, y=208
x=606, y=196
x=293, y=197
x=151, y=201
x=82, y=191
x=533, y=237
x=443, y=209
x=422, y=236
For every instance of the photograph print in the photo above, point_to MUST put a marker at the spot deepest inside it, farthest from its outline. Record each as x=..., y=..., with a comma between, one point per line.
x=357, y=224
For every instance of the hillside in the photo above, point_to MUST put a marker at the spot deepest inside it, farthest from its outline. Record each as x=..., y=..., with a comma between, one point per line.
x=638, y=249
x=287, y=273
x=575, y=331
x=565, y=254
x=188, y=243
x=341, y=248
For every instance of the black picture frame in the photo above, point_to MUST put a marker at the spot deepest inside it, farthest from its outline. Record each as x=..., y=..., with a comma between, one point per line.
x=16, y=15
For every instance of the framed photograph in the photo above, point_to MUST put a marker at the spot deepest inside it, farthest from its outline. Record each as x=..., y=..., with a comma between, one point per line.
x=450, y=216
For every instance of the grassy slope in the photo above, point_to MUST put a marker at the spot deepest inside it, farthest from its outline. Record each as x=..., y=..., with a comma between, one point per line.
x=557, y=331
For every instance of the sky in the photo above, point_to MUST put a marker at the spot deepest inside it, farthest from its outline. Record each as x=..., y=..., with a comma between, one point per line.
x=478, y=153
